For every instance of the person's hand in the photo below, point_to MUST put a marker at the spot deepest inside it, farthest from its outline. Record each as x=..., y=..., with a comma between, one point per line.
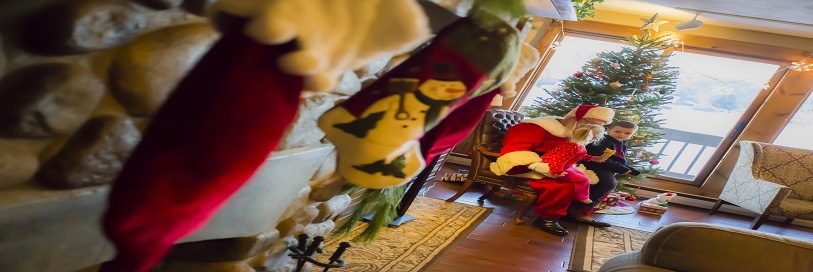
x=634, y=172
x=551, y=175
x=598, y=159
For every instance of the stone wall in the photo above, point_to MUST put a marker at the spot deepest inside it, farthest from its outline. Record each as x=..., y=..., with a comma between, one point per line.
x=79, y=81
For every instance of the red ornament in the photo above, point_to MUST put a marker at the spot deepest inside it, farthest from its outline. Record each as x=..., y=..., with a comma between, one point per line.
x=598, y=66
x=598, y=74
x=629, y=198
x=654, y=162
x=578, y=74
x=645, y=88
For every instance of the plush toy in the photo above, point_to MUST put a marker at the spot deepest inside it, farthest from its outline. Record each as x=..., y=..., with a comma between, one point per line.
x=662, y=199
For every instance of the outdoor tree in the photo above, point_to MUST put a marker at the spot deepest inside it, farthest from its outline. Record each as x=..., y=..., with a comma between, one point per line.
x=635, y=81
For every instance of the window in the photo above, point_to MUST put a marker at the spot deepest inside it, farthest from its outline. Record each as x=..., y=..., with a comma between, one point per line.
x=569, y=57
x=712, y=94
x=796, y=133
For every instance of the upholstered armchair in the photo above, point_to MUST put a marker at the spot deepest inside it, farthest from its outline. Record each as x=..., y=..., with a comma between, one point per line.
x=488, y=136
x=771, y=180
x=703, y=247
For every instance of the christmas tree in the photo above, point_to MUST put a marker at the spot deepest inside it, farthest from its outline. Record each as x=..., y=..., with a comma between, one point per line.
x=635, y=81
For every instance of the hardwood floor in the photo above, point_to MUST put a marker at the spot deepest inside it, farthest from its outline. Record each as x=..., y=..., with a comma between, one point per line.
x=499, y=245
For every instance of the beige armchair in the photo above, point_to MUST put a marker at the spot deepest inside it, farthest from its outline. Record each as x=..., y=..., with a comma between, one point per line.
x=700, y=247
x=771, y=180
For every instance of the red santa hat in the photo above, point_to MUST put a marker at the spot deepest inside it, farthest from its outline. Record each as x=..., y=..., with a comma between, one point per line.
x=592, y=112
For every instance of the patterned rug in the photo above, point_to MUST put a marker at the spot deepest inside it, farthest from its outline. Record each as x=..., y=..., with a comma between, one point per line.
x=594, y=246
x=413, y=245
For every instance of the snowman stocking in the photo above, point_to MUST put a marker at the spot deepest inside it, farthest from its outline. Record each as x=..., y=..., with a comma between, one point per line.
x=376, y=131
x=230, y=111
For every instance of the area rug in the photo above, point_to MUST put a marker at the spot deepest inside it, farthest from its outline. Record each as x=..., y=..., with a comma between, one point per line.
x=414, y=245
x=593, y=246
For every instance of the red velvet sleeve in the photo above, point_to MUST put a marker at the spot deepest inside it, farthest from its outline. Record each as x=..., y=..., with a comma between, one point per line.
x=522, y=137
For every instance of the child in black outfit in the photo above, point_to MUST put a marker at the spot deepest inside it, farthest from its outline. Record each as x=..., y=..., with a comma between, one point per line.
x=615, y=139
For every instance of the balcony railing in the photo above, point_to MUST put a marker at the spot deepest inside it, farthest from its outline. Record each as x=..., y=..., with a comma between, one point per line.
x=684, y=153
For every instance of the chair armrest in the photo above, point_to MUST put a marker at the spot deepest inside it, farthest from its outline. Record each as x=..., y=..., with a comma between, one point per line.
x=488, y=154
x=706, y=247
x=745, y=190
x=629, y=262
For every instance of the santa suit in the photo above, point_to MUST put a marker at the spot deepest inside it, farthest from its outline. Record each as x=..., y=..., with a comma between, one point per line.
x=522, y=146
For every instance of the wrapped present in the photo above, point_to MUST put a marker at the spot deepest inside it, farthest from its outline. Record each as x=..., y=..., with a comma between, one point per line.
x=608, y=201
x=649, y=208
x=457, y=177
x=656, y=205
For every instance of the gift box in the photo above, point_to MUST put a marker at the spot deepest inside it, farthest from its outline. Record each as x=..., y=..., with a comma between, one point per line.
x=608, y=201
x=656, y=209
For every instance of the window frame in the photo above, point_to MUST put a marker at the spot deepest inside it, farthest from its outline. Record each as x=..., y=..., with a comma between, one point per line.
x=760, y=121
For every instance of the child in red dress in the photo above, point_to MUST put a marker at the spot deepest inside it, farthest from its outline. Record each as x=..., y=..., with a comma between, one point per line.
x=569, y=153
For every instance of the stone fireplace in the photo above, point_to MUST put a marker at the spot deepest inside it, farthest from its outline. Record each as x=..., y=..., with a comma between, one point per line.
x=79, y=82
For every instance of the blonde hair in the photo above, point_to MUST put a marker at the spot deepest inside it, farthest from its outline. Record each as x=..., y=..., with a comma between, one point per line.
x=586, y=133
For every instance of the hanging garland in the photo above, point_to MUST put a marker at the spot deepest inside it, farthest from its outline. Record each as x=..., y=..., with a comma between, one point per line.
x=585, y=8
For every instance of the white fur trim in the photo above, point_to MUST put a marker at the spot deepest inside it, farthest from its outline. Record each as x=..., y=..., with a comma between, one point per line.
x=508, y=92
x=540, y=167
x=513, y=159
x=551, y=124
x=600, y=113
x=589, y=173
x=333, y=35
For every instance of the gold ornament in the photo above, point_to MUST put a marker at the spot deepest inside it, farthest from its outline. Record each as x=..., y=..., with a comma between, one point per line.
x=652, y=24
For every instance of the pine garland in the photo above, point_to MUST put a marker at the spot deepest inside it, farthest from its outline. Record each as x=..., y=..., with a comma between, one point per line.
x=382, y=202
x=585, y=8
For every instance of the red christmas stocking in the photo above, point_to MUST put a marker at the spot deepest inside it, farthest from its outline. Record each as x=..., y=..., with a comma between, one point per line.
x=455, y=127
x=210, y=136
x=376, y=131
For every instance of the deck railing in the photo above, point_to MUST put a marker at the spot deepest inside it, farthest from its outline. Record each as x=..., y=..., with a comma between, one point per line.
x=684, y=153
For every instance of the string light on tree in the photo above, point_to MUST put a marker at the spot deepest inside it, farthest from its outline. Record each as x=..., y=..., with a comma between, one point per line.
x=800, y=66
x=555, y=45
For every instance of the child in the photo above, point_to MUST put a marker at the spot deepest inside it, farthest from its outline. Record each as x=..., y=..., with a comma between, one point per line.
x=568, y=154
x=615, y=139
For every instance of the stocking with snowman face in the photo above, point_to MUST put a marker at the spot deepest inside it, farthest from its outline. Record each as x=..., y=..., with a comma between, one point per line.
x=376, y=131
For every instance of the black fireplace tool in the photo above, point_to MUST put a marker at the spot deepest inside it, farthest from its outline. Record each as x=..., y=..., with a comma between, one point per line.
x=304, y=252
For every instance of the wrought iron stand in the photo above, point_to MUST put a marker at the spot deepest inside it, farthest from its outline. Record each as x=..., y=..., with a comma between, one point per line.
x=304, y=252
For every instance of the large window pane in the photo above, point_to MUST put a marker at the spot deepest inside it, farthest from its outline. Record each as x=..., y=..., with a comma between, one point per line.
x=712, y=94
x=569, y=57
x=797, y=132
